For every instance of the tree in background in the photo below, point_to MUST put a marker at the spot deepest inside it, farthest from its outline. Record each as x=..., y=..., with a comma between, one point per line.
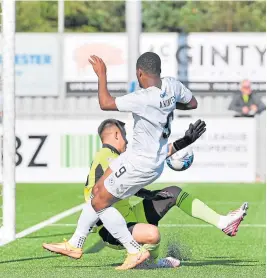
x=36, y=16
x=158, y=16
x=205, y=16
x=95, y=16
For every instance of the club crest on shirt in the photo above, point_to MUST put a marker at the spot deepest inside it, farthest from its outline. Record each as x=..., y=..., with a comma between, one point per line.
x=111, y=180
x=121, y=189
x=110, y=159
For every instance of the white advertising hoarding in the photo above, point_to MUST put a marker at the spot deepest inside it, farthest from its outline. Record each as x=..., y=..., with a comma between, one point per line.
x=63, y=150
x=165, y=45
x=225, y=153
x=37, y=64
x=203, y=61
x=112, y=48
x=78, y=73
x=55, y=151
x=219, y=61
x=78, y=48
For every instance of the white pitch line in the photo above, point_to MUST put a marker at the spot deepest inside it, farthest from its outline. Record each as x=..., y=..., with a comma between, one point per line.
x=175, y=225
x=208, y=225
x=233, y=203
x=62, y=225
x=49, y=221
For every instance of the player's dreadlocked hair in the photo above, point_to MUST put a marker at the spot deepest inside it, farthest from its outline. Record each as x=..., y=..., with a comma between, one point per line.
x=150, y=63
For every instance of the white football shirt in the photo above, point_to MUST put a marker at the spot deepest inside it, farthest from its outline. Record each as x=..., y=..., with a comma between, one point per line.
x=152, y=110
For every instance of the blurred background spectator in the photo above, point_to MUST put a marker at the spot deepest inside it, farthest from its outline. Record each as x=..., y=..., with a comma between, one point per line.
x=246, y=103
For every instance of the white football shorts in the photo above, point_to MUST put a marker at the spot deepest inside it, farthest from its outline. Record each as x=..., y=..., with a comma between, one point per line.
x=129, y=176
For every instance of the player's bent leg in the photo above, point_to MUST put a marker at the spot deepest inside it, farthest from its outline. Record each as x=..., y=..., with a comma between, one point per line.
x=149, y=236
x=73, y=247
x=196, y=208
x=113, y=243
x=101, y=197
x=87, y=219
x=146, y=233
x=113, y=220
x=155, y=210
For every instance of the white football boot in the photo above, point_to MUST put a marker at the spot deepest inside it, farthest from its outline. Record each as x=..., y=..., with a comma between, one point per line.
x=168, y=262
x=233, y=219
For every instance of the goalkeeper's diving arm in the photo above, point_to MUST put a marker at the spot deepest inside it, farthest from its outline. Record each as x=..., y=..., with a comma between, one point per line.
x=180, y=144
x=185, y=141
x=191, y=135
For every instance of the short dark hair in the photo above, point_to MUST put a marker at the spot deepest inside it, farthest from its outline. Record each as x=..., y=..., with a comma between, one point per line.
x=112, y=122
x=150, y=63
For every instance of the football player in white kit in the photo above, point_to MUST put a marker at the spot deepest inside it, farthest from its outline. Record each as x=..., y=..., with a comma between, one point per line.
x=152, y=108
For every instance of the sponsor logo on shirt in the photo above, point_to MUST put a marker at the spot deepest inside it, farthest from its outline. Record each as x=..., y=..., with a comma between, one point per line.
x=164, y=94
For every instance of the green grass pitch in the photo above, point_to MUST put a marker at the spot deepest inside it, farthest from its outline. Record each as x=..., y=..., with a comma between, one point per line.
x=205, y=251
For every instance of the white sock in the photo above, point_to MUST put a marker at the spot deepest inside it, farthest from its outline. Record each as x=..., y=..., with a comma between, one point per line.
x=116, y=225
x=87, y=220
x=223, y=222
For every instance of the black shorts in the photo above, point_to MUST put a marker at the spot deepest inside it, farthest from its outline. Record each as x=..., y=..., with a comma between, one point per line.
x=155, y=210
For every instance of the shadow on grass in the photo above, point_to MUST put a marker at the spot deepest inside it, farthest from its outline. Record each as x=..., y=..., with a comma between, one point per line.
x=220, y=257
x=46, y=236
x=28, y=259
x=227, y=262
x=183, y=264
x=87, y=266
x=98, y=246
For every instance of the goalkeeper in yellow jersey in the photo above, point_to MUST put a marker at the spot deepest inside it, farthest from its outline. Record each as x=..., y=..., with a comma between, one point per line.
x=143, y=218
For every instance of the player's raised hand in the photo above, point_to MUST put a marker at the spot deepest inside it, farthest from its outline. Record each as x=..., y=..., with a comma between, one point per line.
x=195, y=131
x=98, y=65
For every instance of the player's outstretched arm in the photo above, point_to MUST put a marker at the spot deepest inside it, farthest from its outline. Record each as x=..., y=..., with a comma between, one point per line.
x=106, y=101
x=191, y=135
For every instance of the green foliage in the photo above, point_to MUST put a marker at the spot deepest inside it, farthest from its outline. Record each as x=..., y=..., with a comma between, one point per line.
x=158, y=16
x=99, y=16
x=203, y=16
x=36, y=16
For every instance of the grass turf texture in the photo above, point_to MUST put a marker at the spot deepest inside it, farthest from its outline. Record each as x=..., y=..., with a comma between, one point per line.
x=206, y=251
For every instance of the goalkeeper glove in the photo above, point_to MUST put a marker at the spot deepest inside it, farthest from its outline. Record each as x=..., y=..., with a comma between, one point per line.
x=191, y=135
